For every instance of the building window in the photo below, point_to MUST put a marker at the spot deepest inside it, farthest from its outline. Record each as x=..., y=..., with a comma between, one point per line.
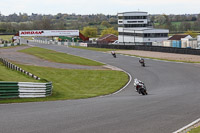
x=134, y=17
x=146, y=35
x=135, y=25
x=132, y=21
x=120, y=17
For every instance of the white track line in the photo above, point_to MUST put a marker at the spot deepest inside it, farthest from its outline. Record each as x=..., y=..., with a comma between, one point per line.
x=187, y=126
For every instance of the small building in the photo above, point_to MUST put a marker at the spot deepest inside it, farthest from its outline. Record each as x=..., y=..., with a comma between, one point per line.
x=198, y=41
x=108, y=38
x=167, y=43
x=176, y=40
x=189, y=43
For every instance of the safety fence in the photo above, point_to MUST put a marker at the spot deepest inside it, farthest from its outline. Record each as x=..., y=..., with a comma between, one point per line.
x=60, y=43
x=14, y=67
x=8, y=45
x=149, y=48
x=23, y=89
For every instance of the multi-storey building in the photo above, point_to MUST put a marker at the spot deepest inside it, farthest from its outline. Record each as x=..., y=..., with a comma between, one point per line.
x=135, y=27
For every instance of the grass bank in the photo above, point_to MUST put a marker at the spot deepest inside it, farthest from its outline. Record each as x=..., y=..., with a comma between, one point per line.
x=11, y=75
x=54, y=56
x=6, y=37
x=195, y=130
x=75, y=84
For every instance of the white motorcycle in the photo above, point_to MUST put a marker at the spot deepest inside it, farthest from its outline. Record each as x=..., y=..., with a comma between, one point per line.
x=140, y=87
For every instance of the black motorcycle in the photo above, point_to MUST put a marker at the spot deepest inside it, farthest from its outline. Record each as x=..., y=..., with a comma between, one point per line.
x=142, y=62
x=113, y=54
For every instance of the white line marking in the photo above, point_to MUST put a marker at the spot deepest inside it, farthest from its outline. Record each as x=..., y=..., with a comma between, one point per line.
x=187, y=126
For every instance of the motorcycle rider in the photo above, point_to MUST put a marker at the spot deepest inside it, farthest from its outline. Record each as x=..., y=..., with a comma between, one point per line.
x=141, y=60
x=138, y=83
x=113, y=53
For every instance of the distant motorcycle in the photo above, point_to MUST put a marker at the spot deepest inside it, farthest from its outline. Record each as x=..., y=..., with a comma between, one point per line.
x=140, y=87
x=142, y=62
x=113, y=54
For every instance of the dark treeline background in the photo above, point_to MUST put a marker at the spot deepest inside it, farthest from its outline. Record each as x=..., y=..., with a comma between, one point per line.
x=15, y=22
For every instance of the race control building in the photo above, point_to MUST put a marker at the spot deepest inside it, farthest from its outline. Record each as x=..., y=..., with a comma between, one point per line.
x=135, y=27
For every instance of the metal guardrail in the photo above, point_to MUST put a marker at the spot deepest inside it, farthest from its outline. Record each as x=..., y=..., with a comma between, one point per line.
x=23, y=89
x=14, y=67
x=8, y=45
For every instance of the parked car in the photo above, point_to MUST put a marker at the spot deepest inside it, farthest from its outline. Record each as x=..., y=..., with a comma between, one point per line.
x=115, y=42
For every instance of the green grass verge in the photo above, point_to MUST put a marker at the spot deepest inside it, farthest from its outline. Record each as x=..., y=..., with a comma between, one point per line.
x=195, y=130
x=163, y=59
x=95, y=49
x=6, y=37
x=54, y=56
x=75, y=84
x=11, y=75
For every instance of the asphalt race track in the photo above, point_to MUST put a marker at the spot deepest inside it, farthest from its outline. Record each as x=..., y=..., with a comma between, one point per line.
x=173, y=102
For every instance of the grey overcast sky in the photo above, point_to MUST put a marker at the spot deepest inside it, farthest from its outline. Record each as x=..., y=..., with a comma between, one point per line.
x=111, y=7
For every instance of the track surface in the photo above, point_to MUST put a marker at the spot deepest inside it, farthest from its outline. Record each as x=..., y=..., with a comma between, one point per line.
x=173, y=102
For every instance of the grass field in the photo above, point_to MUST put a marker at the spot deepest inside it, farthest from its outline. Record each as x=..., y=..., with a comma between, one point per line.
x=6, y=37
x=195, y=130
x=54, y=56
x=74, y=84
x=11, y=75
x=95, y=49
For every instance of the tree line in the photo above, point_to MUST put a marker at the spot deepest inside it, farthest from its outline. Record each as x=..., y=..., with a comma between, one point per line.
x=98, y=24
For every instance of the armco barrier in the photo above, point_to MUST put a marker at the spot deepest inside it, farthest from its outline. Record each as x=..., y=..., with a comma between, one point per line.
x=8, y=45
x=23, y=89
x=14, y=67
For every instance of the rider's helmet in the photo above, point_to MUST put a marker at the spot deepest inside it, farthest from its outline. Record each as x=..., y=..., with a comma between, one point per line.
x=141, y=60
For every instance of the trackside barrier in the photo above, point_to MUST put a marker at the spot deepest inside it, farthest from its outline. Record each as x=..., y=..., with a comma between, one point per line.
x=14, y=67
x=61, y=43
x=149, y=48
x=8, y=45
x=23, y=89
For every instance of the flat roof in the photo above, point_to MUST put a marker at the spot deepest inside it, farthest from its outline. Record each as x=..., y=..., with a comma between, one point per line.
x=132, y=12
x=142, y=29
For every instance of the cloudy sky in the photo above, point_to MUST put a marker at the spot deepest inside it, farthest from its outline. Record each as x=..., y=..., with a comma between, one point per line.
x=111, y=7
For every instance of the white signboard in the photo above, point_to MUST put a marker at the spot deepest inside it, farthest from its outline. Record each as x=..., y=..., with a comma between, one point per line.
x=49, y=33
x=16, y=37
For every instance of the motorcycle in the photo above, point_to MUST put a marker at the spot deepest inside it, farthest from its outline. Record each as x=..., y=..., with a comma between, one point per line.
x=140, y=87
x=142, y=62
x=114, y=55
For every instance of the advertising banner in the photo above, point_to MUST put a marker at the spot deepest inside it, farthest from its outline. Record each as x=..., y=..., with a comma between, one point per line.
x=49, y=33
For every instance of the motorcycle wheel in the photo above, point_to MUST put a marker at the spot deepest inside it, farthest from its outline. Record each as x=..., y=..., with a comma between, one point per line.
x=143, y=92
